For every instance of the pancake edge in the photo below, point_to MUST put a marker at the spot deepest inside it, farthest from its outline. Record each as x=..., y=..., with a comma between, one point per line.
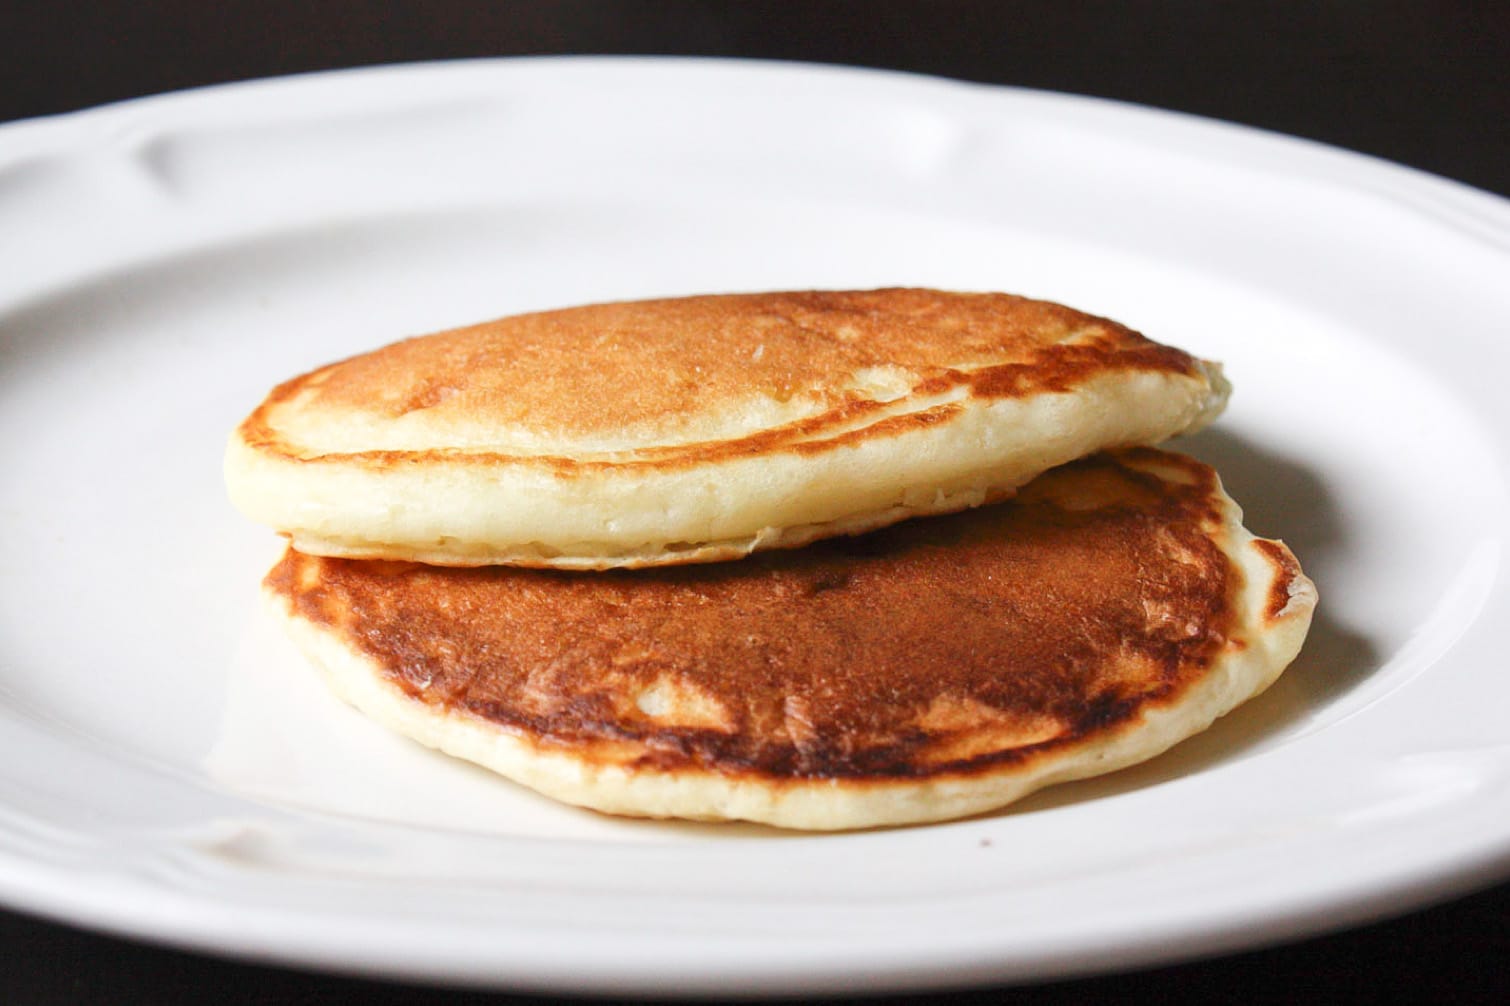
x=482, y=509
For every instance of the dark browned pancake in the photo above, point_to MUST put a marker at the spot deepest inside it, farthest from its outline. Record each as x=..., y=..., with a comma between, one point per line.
x=928, y=670
x=698, y=428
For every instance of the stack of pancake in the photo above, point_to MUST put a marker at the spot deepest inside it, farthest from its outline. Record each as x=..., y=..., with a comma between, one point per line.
x=821, y=559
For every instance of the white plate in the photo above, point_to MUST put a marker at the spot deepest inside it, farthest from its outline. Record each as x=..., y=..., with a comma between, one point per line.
x=168, y=770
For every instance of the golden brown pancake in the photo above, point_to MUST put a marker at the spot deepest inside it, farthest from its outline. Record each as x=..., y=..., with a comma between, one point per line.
x=701, y=428
x=931, y=670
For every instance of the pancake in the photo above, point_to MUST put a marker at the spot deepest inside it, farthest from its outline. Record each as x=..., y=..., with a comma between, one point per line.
x=698, y=429
x=927, y=671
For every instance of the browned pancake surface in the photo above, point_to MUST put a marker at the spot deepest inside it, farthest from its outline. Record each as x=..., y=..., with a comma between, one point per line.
x=935, y=646
x=607, y=368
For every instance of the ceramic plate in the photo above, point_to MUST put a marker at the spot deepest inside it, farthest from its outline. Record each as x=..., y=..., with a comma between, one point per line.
x=169, y=770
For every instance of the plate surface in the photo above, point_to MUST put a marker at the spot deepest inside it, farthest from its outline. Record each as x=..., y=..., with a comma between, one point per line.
x=169, y=769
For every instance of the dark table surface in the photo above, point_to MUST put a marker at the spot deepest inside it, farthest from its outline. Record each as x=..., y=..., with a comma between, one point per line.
x=1424, y=84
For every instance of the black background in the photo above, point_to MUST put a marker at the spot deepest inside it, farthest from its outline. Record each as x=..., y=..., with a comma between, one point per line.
x=1424, y=84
